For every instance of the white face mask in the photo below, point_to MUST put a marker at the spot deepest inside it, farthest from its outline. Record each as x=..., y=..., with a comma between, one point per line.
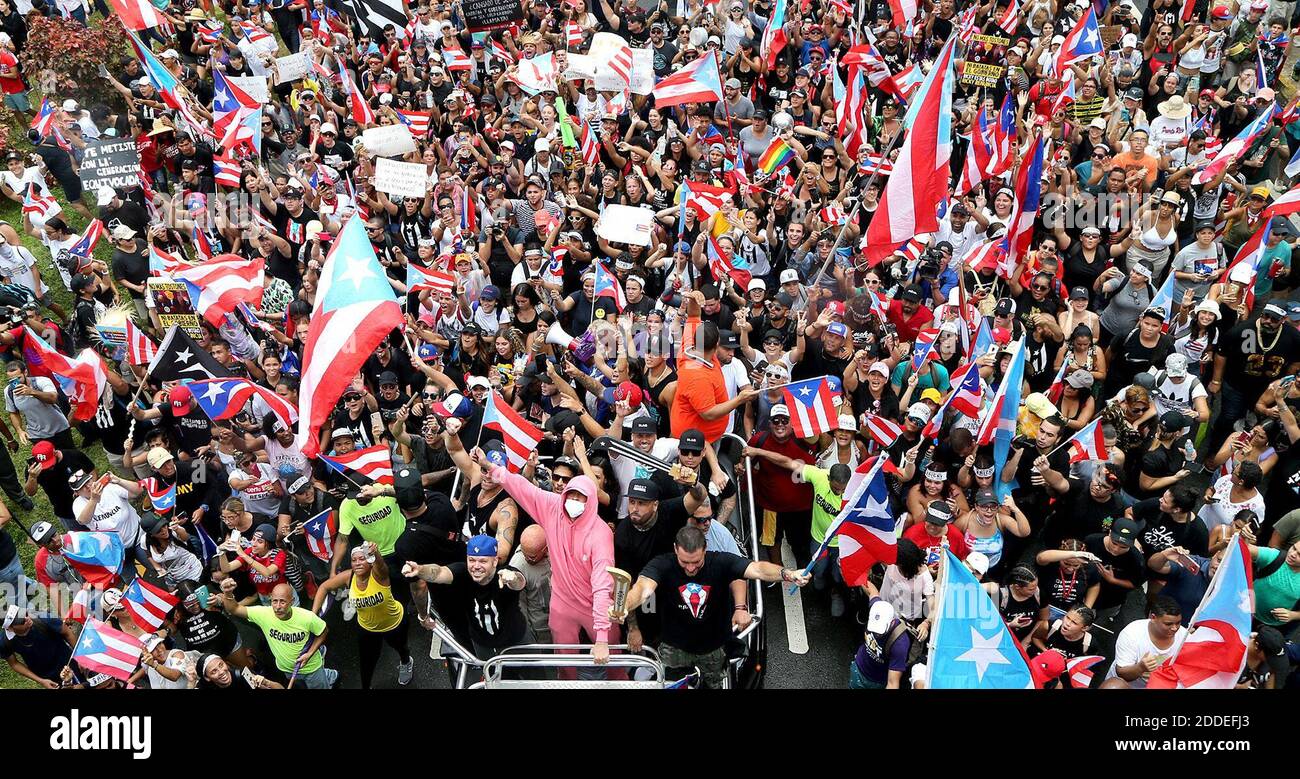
x=574, y=508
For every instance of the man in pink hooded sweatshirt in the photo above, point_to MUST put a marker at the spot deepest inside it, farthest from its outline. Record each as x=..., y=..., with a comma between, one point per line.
x=580, y=545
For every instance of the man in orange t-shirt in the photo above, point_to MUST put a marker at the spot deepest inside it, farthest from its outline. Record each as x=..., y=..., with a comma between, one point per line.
x=701, y=401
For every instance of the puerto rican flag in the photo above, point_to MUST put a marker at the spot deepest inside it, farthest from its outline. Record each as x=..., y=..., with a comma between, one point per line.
x=521, y=436
x=833, y=215
x=587, y=145
x=607, y=286
x=455, y=59
x=44, y=121
x=319, y=532
x=883, y=431
x=140, y=348
x=999, y=424
x=164, y=263
x=1089, y=443
x=966, y=397
x=924, y=346
x=572, y=35
x=1079, y=670
x=1082, y=42
x=227, y=170
x=40, y=206
x=1245, y=265
x=904, y=12
x=1164, y=300
x=217, y=287
x=704, y=198
x=224, y=398
x=774, y=37
x=1233, y=149
x=1214, y=652
x=722, y=266
x=101, y=649
x=416, y=121
x=989, y=153
x=97, y=557
x=148, y=604
x=812, y=406
x=85, y=246
x=418, y=278
x=373, y=462
x=362, y=113
x=966, y=26
x=162, y=496
x=82, y=378
x=1010, y=19
x=865, y=527
x=907, y=204
x=1020, y=230
x=136, y=15
x=698, y=82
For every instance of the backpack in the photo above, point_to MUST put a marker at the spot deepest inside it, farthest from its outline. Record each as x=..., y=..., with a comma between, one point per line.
x=916, y=649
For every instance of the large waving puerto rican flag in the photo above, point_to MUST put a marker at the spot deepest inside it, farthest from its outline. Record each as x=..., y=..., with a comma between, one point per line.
x=521, y=436
x=82, y=378
x=101, y=649
x=373, y=462
x=866, y=529
x=907, y=206
x=355, y=309
x=218, y=286
x=97, y=557
x=224, y=398
x=698, y=82
x=148, y=604
x=607, y=286
x=1214, y=652
x=1233, y=149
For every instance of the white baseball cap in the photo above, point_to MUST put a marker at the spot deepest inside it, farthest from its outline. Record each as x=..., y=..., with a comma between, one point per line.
x=788, y=275
x=779, y=410
x=880, y=617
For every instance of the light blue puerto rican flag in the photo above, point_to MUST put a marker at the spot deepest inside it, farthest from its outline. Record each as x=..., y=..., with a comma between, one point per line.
x=971, y=647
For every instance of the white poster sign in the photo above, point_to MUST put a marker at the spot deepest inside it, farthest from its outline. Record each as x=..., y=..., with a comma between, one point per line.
x=625, y=224
x=393, y=140
x=290, y=68
x=404, y=179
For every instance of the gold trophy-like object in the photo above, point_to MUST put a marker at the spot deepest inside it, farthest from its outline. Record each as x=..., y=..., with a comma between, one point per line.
x=622, y=583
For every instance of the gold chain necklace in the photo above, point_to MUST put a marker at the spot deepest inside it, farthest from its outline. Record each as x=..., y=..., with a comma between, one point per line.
x=1259, y=331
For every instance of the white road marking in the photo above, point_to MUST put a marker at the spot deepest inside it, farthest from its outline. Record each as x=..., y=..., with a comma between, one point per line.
x=796, y=633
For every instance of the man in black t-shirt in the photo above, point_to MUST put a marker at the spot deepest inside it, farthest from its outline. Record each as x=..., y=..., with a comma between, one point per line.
x=490, y=591
x=192, y=430
x=647, y=532
x=698, y=607
x=1121, y=567
x=1083, y=506
x=1251, y=355
x=49, y=470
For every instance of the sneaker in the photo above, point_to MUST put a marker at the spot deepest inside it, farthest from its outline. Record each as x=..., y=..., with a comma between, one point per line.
x=837, y=604
x=406, y=671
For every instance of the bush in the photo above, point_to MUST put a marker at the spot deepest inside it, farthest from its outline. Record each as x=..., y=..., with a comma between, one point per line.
x=62, y=57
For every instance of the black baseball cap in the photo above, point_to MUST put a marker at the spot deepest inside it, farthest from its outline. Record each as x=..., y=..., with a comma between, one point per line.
x=728, y=339
x=1124, y=531
x=643, y=489
x=691, y=441
x=644, y=424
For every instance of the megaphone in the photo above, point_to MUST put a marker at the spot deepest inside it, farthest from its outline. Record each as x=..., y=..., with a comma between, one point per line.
x=556, y=336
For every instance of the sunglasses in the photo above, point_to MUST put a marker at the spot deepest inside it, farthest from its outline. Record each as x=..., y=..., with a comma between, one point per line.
x=1041, y=287
x=779, y=421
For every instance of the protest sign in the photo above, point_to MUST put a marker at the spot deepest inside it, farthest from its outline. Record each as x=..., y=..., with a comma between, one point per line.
x=404, y=179
x=110, y=163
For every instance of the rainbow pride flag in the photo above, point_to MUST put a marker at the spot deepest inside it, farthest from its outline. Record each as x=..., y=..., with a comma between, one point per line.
x=777, y=156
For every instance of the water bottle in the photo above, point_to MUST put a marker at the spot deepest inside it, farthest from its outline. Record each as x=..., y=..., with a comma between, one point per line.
x=1189, y=450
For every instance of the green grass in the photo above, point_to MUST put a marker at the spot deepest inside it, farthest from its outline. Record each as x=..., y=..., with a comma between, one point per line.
x=11, y=212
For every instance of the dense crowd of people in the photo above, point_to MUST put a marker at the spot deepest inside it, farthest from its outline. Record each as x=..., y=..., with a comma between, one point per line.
x=754, y=271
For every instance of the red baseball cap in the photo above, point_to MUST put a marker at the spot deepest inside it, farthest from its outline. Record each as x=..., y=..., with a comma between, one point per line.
x=625, y=391
x=1047, y=666
x=182, y=399
x=43, y=451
